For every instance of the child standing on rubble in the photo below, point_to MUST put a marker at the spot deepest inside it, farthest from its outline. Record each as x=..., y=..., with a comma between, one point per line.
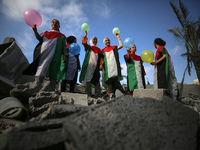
x=112, y=72
x=69, y=70
x=91, y=66
x=135, y=70
x=47, y=58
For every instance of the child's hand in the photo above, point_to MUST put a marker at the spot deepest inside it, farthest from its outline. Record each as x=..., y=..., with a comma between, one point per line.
x=128, y=50
x=100, y=67
x=117, y=36
x=153, y=63
x=64, y=59
x=34, y=28
x=86, y=33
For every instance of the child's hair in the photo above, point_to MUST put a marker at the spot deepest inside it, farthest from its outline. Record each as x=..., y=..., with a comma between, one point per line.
x=70, y=39
x=56, y=20
x=160, y=42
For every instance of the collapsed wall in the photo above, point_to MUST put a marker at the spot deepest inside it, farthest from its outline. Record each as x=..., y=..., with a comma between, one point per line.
x=12, y=64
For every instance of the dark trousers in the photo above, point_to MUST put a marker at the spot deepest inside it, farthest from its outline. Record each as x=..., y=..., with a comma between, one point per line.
x=72, y=84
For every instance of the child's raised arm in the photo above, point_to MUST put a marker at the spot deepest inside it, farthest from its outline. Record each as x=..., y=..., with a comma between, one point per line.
x=120, y=42
x=84, y=41
x=39, y=38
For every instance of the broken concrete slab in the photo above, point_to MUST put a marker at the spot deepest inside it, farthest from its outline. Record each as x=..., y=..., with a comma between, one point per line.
x=76, y=98
x=60, y=111
x=133, y=123
x=158, y=94
x=43, y=100
x=12, y=70
x=6, y=86
x=36, y=135
x=8, y=123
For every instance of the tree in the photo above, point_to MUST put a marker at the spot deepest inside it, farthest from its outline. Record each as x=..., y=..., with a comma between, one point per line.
x=190, y=35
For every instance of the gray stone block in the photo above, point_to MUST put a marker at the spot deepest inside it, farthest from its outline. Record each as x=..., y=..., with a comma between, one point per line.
x=158, y=94
x=77, y=99
x=133, y=123
x=41, y=102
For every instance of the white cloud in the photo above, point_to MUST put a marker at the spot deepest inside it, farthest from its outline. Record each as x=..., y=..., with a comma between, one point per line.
x=70, y=13
x=15, y=8
x=102, y=9
x=175, y=50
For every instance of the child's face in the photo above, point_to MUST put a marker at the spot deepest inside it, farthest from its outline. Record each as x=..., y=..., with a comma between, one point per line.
x=94, y=41
x=55, y=25
x=133, y=49
x=107, y=41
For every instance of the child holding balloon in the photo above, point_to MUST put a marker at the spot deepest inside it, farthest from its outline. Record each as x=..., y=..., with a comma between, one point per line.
x=164, y=74
x=111, y=64
x=91, y=67
x=69, y=70
x=47, y=58
x=135, y=70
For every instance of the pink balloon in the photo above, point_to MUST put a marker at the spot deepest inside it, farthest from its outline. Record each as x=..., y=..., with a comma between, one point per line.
x=32, y=17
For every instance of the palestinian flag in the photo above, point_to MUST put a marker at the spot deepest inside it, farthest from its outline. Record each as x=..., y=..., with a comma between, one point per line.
x=69, y=68
x=135, y=71
x=161, y=71
x=90, y=67
x=47, y=55
x=112, y=64
x=164, y=74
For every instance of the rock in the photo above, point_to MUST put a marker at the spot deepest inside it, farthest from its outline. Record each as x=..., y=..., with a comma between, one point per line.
x=36, y=135
x=12, y=70
x=43, y=100
x=133, y=123
x=60, y=111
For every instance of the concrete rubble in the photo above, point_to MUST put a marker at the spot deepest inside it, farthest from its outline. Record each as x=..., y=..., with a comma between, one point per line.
x=52, y=120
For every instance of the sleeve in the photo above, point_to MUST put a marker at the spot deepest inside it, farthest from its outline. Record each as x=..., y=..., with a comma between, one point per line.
x=39, y=38
x=120, y=44
x=84, y=42
x=127, y=60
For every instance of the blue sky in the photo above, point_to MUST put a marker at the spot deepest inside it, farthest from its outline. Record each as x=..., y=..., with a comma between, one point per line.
x=142, y=20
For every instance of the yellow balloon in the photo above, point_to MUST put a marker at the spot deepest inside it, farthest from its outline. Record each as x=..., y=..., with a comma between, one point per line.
x=147, y=56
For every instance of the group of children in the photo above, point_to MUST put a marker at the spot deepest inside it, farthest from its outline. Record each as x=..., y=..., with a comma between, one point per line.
x=53, y=60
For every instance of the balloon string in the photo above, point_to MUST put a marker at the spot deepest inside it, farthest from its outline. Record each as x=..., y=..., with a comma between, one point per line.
x=20, y=45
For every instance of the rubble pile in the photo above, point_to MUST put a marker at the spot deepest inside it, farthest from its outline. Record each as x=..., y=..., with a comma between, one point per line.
x=53, y=120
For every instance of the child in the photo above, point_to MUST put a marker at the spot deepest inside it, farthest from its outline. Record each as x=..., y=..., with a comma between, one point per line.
x=112, y=65
x=69, y=70
x=135, y=70
x=164, y=74
x=47, y=58
x=91, y=66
